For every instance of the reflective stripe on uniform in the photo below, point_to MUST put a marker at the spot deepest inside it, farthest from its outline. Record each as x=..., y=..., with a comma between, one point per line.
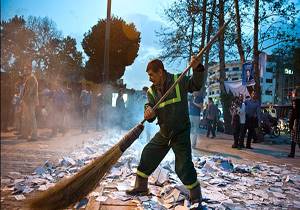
x=141, y=174
x=191, y=186
x=172, y=100
x=151, y=92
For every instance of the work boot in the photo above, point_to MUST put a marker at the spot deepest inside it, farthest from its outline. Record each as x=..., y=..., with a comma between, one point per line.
x=196, y=198
x=140, y=187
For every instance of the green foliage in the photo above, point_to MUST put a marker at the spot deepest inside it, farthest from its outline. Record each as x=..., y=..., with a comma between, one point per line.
x=175, y=37
x=37, y=39
x=124, y=45
x=16, y=43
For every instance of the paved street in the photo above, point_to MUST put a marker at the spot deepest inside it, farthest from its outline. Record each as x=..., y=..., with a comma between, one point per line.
x=24, y=156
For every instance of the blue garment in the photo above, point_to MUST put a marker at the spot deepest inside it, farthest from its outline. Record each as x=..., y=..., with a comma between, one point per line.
x=194, y=110
x=86, y=98
x=252, y=108
x=120, y=104
x=59, y=98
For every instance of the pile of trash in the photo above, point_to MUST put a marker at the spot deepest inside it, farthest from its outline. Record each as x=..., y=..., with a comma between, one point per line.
x=224, y=185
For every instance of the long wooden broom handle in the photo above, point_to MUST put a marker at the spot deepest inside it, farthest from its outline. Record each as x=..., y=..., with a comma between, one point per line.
x=199, y=55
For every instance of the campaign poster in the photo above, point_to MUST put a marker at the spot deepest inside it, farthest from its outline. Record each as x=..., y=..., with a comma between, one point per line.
x=248, y=74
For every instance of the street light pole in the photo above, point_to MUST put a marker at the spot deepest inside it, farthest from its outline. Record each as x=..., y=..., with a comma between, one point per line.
x=106, y=46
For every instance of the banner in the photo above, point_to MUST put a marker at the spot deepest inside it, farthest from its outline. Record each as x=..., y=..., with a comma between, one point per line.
x=247, y=74
x=236, y=88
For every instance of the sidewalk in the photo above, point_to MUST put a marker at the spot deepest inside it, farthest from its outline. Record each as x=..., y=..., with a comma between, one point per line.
x=24, y=156
x=261, y=152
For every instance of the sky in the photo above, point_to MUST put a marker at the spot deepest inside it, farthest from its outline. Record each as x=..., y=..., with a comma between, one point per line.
x=76, y=17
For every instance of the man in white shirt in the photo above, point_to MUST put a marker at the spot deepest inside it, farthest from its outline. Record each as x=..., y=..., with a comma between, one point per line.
x=242, y=114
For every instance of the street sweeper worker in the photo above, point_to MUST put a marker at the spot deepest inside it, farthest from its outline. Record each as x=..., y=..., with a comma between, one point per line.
x=173, y=119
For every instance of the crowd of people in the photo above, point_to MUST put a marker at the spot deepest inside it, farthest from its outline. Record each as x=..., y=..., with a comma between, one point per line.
x=57, y=107
x=248, y=120
x=245, y=119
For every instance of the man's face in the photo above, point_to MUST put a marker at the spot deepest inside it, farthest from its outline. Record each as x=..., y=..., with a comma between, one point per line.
x=241, y=97
x=155, y=77
x=248, y=73
x=27, y=69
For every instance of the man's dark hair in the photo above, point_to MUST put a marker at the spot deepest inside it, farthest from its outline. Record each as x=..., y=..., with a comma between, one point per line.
x=210, y=99
x=155, y=65
x=145, y=89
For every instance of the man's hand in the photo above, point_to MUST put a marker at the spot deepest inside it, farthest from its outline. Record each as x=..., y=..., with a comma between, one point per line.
x=149, y=113
x=194, y=62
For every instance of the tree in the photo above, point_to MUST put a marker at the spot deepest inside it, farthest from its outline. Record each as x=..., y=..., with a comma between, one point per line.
x=255, y=51
x=46, y=41
x=124, y=46
x=180, y=38
x=224, y=96
x=16, y=44
x=239, y=32
x=70, y=60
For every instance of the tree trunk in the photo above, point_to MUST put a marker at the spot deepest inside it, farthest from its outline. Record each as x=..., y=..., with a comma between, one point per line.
x=209, y=32
x=238, y=31
x=224, y=102
x=192, y=33
x=255, y=51
x=203, y=34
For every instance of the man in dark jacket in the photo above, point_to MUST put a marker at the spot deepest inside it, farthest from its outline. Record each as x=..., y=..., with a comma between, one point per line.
x=252, y=118
x=174, y=123
x=294, y=125
x=212, y=118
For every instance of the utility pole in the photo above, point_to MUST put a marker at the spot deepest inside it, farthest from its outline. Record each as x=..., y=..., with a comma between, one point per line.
x=106, y=46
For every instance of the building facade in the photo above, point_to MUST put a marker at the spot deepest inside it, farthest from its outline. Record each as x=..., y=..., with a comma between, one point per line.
x=233, y=70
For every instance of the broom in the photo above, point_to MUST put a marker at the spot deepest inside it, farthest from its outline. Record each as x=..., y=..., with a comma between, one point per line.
x=70, y=190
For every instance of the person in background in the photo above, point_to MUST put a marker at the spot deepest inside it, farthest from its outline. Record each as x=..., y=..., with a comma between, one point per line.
x=99, y=111
x=242, y=117
x=252, y=118
x=203, y=121
x=59, y=101
x=17, y=111
x=294, y=125
x=29, y=102
x=195, y=106
x=86, y=101
x=120, y=105
x=235, y=121
x=211, y=117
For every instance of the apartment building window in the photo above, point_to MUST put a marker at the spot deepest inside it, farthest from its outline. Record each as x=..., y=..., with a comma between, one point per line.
x=269, y=70
x=226, y=69
x=235, y=69
x=269, y=81
x=268, y=92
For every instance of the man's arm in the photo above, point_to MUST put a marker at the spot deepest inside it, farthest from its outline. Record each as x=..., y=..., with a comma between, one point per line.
x=148, y=115
x=195, y=82
x=199, y=105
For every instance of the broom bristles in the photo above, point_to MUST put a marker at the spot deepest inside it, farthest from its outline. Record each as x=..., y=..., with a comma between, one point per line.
x=70, y=190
